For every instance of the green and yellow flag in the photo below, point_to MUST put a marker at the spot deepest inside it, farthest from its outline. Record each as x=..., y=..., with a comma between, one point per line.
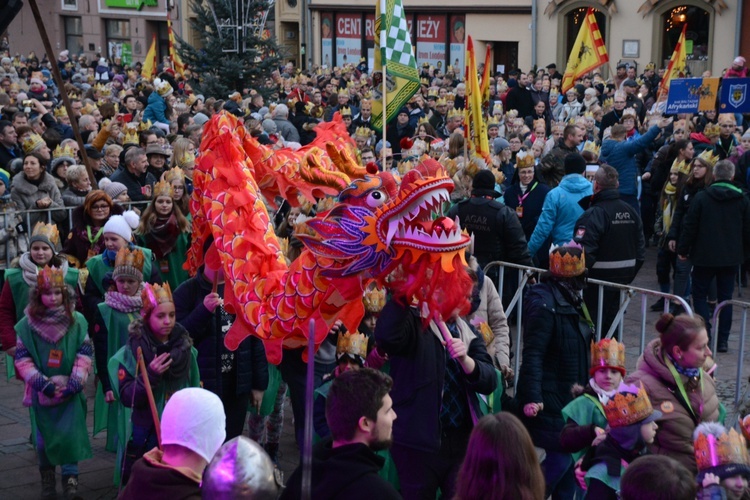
x=394, y=60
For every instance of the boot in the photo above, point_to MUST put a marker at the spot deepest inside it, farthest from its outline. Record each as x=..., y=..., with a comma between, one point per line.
x=658, y=306
x=49, y=489
x=70, y=487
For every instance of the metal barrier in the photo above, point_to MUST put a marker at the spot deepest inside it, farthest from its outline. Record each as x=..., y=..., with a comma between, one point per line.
x=26, y=214
x=627, y=293
x=740, y=355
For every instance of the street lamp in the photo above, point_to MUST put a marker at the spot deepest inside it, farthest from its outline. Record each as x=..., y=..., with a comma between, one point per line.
x=236, y=19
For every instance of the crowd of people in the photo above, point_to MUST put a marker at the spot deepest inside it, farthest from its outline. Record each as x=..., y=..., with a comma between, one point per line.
x=579, y=183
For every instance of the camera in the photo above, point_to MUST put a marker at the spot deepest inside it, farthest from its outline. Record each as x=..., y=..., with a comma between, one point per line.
x=27, y=103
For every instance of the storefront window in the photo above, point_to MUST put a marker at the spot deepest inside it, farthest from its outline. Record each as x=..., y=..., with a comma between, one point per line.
x=73, y=34
x=697, y=35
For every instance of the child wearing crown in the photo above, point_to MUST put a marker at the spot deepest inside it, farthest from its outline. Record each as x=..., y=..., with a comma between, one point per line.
x=54, y=358
x=723, y=462
x=170, y=362
x=631, y=426
x=176, y=178
x=166, y=232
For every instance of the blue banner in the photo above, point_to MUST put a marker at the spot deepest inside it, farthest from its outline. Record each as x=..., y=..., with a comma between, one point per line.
x=734, y=96
x=682, y=97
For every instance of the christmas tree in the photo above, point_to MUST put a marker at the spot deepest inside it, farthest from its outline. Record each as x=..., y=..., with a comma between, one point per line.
x=231, y=59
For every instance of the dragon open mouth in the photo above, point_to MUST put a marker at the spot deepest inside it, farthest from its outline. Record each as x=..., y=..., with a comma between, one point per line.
x=422, y=226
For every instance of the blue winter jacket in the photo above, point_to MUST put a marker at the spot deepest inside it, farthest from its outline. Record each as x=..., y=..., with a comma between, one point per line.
x=621, y=156
x=560, y=212
x=155, y=109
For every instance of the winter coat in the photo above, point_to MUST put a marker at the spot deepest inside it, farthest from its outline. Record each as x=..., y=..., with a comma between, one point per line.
x=532, y=204
x=72, y=197
x=25, y=195
x=77, y=244
x=716, y=230
x=155, y=110
x=556, y=342
x=687, y=194
x=417, y=358
x=675, y=435
x=491, y=311
x=12, y=244
x=133, y=183
x=498, y=234
x=345, y=472
x=560, y=212
x=622, y=156
x=151, y=478
x=251, y=367
x=611, y=233
x=552, y=165
x=287, y=130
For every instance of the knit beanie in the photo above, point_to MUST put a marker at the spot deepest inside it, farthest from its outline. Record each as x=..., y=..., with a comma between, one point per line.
x=122, y=225
x=113, y=189
x=194, y=418
x=574, y=164
x=129, y=263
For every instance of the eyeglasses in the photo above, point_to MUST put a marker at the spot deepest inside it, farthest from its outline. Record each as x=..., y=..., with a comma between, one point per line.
x=619, y=102
x=100, y=208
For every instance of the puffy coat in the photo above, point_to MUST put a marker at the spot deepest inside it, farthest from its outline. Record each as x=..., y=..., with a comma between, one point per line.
x=622, y=156
x=155, y=110
x=555, y=357
x=716, y=230
x=491, y=310
x=25, y=195
x=560, y=212
x=552, y=164
x=675, y=435
x=611, y=232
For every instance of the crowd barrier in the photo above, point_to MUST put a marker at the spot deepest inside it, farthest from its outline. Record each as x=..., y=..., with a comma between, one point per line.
x=627, y=293
x=741, y=351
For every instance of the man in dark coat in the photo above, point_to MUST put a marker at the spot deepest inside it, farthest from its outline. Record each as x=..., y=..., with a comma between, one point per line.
x=519, y=98
x=611, y=232
x=715, y=236
x=360, y=414
x=237, y=377
x=552, y=165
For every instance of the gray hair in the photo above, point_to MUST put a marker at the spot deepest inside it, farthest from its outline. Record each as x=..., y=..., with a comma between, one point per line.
x=113, y=147
x=75, y=173
x=724, y=171
x=86, y=120
x=281, y=111
x=133, y=154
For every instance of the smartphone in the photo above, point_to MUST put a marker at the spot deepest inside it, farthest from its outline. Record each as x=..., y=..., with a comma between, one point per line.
x=124, y=117
x=27, y=103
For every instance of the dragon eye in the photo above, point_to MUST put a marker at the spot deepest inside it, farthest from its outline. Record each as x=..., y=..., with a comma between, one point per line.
x=375, y=199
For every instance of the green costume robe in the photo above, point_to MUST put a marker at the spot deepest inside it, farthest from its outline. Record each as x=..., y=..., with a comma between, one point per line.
x=585, y=410
x=63, y=427
x=170, y=266
x=98, y=268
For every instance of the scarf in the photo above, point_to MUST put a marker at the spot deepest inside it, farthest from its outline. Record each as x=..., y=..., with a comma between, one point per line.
x=51, y=325
x=31, y=270
x=604, y=396
x=670, y=190
x=178, y=346
x=688, y=372
x=163, y=237
x=124, y=303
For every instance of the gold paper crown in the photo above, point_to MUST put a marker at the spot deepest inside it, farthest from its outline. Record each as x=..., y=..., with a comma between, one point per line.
x=724, y=449
x=345, y=111
x=144, y=125
x=192, y=98
x=50, y=277
x=681, y=167
x=499, y=176
x=498, y=106
x=629, y=406
x=608, y=102
x=709, y=157
x=374, y=300
x=174, y=174
x=441, y=102
x=568, y=265
x=524, y=160
x=455, y=113
x=103, y=90
x=48, y=231
x=73, y=96
x=745, y=426
x=493, y=122
x=153, y=295
x=163, y=188
x=131, y=136
x=61, y=152
x=591, y=147
x=433, y=92
x=130, y=258
x=60, y=111
x=712, y=130
x=404, y=166
x=423, y=121
x=186, y=159
x=450, y=96
x=554, y=92
x=31, y=142
x=511, y=114
x=630, y=113
x=608, y=353
x=540, y=121
x=425, y=81
x=88, y=108
x=162, y=87
x=588, y=114
x=363, y=132
x=352, y=343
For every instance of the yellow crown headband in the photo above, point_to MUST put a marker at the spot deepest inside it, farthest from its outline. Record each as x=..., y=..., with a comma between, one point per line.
x=163, y=188
x=153, y=295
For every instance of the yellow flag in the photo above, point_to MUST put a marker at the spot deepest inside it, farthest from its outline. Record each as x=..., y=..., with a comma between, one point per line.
x=177, y=64
x=588, y=53
x=677, y=63
x=475, y=128
x=149, y=65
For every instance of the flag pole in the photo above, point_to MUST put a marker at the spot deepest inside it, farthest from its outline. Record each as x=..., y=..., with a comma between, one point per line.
x=385, y=118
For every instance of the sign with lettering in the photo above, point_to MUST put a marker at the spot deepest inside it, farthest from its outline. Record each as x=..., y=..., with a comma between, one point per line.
x=131, y=4
x=690, y=95
x=431, y=37
x=348, y=39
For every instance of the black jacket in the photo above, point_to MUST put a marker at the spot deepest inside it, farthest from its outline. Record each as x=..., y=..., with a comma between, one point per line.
x=346, y=472
x=251, y=366
x=611, y=118
x=716, y=229
x=611, y=233
x=8, y=155
x=532, y=204
x=519, y=98
x=498, y=234
x=134, y=183
x=687, y=193
x=417, y=359
x=556, y=355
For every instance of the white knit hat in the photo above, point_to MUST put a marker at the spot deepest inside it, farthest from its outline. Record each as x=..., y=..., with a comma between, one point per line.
x=194, y=419
x=122, y=225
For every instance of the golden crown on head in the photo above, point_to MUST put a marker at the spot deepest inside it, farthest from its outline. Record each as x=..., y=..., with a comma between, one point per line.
x=512, y=114
x=554, y=93
x=712, y=130
x=441, y=102
x=48, y=231
x=456, y=113
x=187, y=158
x=153, y=295
x=88, y=108
x=162, y=87
x=73, y=96
x=352, y=343
x=608, y=353
x=345, y=111
x=591, y=147
x=588, y=114
x=144, y=125
x=681, y=167
x=374, y=300
x=433, y=92
x=50, y=277
x=541, y=122
x=192, y=98
x=60, y=112
x=131, y=136
x=174, y=174
x=524, y=160
x=121, y=94
x=404, y=166
x=163, y=188
x=425, y=81
x=493, y=121
x=423, y=121
x=102, y=90
x=608, y=102
x=713, y=451
x=568, y=265
x=60, y=152
x=130, y=258
x=709, y=157
x=629, y=406
x=32, y=142
x=450, y=96
x=363, y=132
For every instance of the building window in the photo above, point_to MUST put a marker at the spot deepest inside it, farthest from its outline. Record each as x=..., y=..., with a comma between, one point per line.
x=697, y=36
x=73, y=34
x=573, y=21
x=118, y=39
x=70, y=4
